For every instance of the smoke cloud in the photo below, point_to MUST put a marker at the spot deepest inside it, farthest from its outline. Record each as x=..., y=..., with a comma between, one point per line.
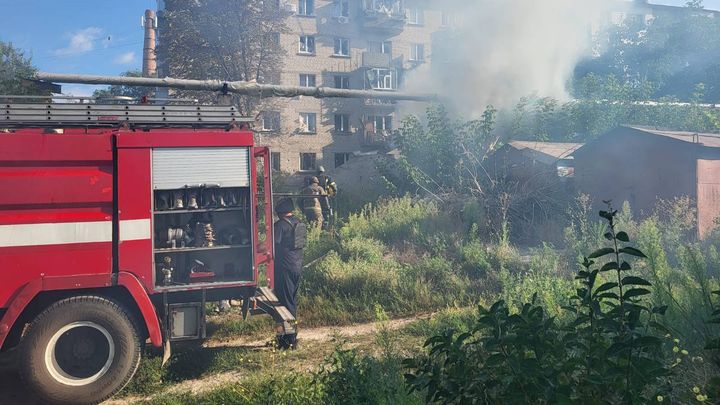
x=502, y=50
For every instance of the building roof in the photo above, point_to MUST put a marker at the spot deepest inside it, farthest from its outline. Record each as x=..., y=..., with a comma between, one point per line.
x=546, y=152
x=709, y=140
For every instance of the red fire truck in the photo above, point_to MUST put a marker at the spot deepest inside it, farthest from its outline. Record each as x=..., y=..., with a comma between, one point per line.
x=118, y=223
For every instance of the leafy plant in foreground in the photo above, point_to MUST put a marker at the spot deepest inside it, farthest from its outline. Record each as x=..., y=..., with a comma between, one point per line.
x=608, y=352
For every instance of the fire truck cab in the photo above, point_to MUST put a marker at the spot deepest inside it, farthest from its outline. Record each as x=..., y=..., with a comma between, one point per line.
x=118, y=223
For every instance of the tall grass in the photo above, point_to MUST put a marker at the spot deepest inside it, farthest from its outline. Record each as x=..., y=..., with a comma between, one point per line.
x=402, y=254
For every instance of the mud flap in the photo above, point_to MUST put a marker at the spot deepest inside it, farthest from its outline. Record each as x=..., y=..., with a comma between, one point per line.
x=166, y=352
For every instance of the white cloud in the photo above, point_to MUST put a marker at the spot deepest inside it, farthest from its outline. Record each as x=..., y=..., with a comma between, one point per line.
x=81, y=41
x=125, y=58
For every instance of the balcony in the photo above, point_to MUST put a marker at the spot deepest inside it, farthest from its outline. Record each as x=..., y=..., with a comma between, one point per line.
x=377, y=139
x=376, y=60
x=384, y=14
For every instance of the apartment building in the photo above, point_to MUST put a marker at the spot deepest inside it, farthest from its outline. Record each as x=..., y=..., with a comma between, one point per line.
x=348, y=44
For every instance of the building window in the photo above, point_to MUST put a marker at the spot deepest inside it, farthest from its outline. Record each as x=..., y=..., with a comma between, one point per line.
x=380, y=47
x=307, y=80
x=448, y=19
x=308, y=162
x=342, y=47
x=275, y=159
x=307, y=44
x=343, y=8
x=308, y=123
x=270, y=121
x=342, y=158
x=380, y=123
x=342, y=123
x=417, y=52
x=306, y=7
x=342, y=82
x=381, y=79
x=415, y=16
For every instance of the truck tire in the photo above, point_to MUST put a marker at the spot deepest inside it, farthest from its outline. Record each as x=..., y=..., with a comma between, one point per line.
x=80, y=350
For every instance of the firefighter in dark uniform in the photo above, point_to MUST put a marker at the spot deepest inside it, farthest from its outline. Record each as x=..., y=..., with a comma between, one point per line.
x=290, y=238
x=327, y=184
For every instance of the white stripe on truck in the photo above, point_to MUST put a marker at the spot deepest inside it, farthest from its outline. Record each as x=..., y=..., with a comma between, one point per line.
x=71, y=232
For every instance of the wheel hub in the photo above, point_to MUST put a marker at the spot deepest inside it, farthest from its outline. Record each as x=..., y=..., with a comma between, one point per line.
x=79, y=353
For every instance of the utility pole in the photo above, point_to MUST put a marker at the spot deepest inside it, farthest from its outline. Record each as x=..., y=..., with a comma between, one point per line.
x=149, y=24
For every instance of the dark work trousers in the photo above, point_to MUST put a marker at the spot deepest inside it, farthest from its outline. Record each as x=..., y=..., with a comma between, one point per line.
x=286, y=288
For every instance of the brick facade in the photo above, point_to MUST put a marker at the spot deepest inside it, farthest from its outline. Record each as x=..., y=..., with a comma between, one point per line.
x=360, y=30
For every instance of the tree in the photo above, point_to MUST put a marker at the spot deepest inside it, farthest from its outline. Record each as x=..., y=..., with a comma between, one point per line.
x=14, y=67
x=225, y=40
x=666, y=56
x=124, y=91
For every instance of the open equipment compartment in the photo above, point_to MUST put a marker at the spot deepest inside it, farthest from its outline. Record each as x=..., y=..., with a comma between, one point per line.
x=202, y=217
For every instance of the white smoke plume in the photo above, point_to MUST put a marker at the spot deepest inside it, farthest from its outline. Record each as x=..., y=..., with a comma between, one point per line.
x=503, y=50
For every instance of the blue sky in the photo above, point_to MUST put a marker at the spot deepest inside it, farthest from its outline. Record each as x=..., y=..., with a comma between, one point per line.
x=93, y=36
x=76, y=36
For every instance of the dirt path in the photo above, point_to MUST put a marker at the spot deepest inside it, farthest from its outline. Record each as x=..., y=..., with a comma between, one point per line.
x=322, y=333
x=355, y=334
x=12, y=392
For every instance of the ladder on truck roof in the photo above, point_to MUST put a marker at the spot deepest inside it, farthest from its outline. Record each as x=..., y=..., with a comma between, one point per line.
x=44, y=113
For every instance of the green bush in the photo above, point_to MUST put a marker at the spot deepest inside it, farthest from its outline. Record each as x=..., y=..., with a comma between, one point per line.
x=365, y=249
x=475, y=258
x=391, y=221
x=349, y=378
x=607, y=352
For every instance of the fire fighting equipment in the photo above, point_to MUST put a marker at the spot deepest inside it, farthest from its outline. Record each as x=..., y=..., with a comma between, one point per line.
x=209, y=199
x=167, y=270
x=231, y=198
x=162, y=201
x=178, y=202
x=192, y=200
x=177, y=238
x=200, y=272
x=204, y=234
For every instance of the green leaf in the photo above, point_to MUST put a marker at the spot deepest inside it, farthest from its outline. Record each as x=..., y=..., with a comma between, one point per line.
x=625, y=266
x=605, y=287
x=647, y=341
x=660, y=310
x=632, y=251
x=601, y=252
x=608, y=295
x=609, y=266
x=632, y=280
x=713, y=344
x=623, y=236
x=608, y=235
x=635, y=292
x=616, y=348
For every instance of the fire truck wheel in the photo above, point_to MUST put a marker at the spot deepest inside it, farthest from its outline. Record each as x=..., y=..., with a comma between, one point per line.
x=80, y=350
